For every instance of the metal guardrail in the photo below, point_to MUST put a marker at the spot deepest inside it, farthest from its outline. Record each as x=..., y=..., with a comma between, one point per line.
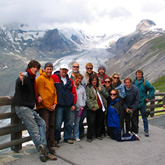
x=16, y=126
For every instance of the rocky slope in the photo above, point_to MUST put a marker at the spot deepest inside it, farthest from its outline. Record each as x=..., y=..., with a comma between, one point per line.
x=144, y=49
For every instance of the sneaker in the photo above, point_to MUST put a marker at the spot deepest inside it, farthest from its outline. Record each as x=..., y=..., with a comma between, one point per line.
x=42, y=153
x=78, y=140
x=89, y=140
x=146, y=133
x=137, y=137
x=68, y=141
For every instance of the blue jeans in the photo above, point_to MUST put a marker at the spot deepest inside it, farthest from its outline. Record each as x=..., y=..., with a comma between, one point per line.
x=75, y=123
x=144, y=117
x=63, y=113
x=34, y=124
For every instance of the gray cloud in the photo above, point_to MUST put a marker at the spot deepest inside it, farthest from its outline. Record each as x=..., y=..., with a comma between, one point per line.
x=44, y=11
x=120, y=12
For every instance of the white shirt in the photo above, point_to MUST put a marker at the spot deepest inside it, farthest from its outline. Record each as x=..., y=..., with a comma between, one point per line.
x=64, y=80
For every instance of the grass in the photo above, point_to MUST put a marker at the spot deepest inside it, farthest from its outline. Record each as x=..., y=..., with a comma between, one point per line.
x=160, y=84
x=158, y=43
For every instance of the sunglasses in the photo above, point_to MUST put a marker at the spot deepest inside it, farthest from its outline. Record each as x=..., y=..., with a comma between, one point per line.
x=113, y=94
x=107, y=82
x=90, y=68
x=75, y=66
x=116, y=77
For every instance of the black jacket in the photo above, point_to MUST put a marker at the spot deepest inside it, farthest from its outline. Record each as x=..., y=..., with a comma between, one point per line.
x=24, y=93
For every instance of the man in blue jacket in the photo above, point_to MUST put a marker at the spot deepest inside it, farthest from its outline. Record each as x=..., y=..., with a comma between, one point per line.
x=66, y=98
x=144, y=87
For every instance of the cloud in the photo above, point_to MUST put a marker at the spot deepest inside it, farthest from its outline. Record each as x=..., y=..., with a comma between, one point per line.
x=44, y=11
x=118, y=13
x=95, y=16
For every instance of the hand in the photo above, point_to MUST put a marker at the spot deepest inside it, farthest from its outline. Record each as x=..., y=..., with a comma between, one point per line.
x=21, y=76
x=147, y=100
x=164, y=106
x=73, y=108
x=53, y=107
x=99, y=88
x=129, y=110
x=39, y=99
x=93, y=109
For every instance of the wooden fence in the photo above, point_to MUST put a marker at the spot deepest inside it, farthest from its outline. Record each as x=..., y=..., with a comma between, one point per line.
x=15, y=128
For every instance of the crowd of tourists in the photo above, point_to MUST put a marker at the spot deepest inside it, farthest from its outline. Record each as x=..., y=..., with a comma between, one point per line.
x=110, y=106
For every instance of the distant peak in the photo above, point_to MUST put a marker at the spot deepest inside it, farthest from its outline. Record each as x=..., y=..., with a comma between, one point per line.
x=145, y=25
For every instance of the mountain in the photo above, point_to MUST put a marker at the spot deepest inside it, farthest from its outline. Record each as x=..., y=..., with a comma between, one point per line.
x=20, y=43
x=143, y=49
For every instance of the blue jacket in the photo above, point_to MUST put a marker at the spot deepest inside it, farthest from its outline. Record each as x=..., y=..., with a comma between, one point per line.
x=66, y=94
x=115, y=115
x=143, y=91
x=121, y=90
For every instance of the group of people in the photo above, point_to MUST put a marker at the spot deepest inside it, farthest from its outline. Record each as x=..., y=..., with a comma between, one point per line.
x=68, y=97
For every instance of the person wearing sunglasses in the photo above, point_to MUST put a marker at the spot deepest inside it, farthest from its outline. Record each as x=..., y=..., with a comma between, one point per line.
x=97, y=105
x=108, y=84
x=117, y=84
x=115, y=119
x=89, y=71
x=75, y=69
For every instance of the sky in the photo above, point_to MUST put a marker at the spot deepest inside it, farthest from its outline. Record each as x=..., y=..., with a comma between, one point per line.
x=93, y=16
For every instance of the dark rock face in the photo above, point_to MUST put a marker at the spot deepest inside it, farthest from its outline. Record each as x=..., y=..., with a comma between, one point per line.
x=55, y=43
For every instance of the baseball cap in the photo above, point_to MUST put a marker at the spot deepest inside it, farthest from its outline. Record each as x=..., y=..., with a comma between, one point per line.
x=64, y=66
x=48, y=64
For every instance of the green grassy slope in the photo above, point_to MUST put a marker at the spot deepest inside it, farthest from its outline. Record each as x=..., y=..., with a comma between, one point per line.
x=160, y=84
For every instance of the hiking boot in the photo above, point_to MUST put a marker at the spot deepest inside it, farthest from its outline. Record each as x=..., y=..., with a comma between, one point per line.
x=68, y=141
x=146, y=133
x=42, y=153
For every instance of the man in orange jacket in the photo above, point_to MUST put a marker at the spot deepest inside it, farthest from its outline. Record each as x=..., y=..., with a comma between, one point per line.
x=46, y=108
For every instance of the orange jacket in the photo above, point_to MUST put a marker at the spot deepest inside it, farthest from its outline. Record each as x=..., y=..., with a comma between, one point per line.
x=47, y=90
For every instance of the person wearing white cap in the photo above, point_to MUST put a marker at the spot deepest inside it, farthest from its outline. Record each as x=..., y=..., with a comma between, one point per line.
x=66, y=98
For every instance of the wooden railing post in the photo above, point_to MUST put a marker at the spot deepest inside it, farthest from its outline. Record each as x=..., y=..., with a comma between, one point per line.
x=16, y=135
x=152, y=109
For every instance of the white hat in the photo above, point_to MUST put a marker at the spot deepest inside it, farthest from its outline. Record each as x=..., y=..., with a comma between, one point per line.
x=64, y=66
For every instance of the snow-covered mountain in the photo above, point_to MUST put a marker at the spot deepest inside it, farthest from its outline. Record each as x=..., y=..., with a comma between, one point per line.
x=27, y=41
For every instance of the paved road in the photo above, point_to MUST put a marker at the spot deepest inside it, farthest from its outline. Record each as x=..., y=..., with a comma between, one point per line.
x=147, y=151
